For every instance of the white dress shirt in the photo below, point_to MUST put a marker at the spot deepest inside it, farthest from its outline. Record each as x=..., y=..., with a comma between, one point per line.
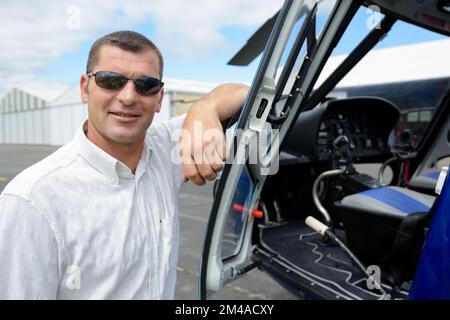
x=80, y=225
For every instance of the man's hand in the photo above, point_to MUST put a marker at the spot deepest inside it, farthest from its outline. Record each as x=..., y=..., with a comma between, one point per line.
x=203, y=147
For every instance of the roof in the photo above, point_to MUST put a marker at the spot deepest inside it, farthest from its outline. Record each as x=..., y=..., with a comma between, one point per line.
x=405, y=95
x=180, y=85
x=396, y=64
x=18, y=100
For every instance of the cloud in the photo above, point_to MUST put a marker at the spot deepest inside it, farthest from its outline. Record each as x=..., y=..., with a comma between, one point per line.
x=192, y=28
x=36, y=33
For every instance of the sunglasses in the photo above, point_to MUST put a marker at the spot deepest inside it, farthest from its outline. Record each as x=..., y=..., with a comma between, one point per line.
x=115, y=81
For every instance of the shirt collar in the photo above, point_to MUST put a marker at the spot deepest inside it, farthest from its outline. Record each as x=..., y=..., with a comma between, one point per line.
x=109, y=166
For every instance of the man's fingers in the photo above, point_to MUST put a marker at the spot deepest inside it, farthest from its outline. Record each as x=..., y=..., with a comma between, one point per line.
x=222, y=148
x=204, y=167
x=200, y=170
x=215, y=161
x=203, y=155
x=191, y=173
x=212, y=158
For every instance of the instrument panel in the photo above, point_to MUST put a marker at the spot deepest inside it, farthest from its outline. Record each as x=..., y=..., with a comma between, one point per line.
x=365, y=121
x=364, y=137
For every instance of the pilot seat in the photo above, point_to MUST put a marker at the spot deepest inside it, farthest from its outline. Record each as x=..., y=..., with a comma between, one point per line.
x=385, y=226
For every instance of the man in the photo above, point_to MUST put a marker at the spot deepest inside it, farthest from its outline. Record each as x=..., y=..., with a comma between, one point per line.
x=98, y=219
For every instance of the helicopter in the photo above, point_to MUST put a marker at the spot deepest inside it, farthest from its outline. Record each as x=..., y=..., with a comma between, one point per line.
x=293, y=200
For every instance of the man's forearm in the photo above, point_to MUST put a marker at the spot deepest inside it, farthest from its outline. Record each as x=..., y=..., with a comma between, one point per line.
x=226, y=100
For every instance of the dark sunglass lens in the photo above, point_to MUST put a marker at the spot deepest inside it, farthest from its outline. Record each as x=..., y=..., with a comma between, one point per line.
x=110, y=80
x=148, y=85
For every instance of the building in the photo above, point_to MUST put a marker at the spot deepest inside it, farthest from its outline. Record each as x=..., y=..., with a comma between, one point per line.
x=22, y=118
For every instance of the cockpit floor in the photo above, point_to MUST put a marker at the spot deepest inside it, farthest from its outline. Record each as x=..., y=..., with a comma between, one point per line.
x=324, y=262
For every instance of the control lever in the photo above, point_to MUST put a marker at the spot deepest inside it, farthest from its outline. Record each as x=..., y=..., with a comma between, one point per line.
x=315, y=193
x=342, y=151
x=343, y=161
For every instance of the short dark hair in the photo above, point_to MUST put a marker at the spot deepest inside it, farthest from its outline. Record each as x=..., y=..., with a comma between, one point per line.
x=125, y=40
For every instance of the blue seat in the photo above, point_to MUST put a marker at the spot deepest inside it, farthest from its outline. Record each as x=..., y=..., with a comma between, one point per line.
x=389, y=201
x=372, y=219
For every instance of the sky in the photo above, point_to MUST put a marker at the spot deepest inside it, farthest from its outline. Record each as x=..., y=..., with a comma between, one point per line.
x=45, y=43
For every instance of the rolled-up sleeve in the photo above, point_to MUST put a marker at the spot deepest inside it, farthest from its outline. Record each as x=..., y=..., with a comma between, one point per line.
x=28, y=252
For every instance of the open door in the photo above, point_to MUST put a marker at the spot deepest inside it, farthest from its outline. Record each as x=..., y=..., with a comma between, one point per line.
x=292, y=61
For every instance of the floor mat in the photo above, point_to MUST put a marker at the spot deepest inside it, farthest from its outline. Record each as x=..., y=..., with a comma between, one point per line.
x=326, y=262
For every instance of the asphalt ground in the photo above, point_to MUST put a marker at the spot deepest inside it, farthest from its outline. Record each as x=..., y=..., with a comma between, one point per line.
x=195, y=206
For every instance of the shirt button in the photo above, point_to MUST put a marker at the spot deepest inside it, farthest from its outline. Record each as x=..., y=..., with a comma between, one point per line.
x=114, y=179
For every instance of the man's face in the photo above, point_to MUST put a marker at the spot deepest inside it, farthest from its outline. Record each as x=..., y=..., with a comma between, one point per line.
x=121, y=117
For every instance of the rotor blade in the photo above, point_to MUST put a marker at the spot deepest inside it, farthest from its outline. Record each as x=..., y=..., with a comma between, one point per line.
x=255, y=45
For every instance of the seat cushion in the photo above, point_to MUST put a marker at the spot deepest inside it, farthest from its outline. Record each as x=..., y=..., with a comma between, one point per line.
x=389, y=201
x=372, y=218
